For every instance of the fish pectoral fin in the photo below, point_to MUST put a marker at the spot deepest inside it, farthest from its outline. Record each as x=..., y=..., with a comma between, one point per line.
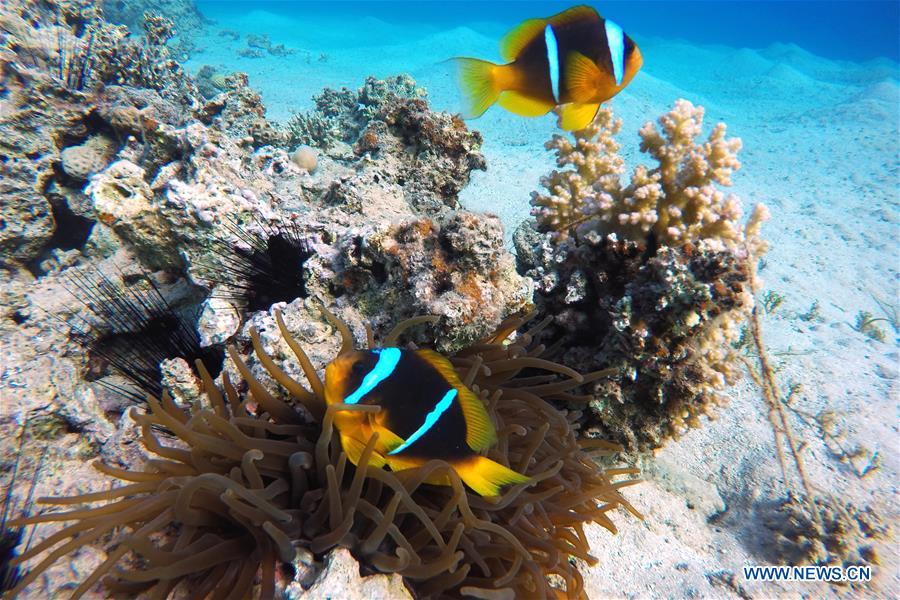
x=354, y=448
x=387, y=439
x=524, y=106
x=575, y=116
x=480, y=431
x=485, y=476
x=583, y=78
x=515, y=41
x=478, y=82
x=401, y=463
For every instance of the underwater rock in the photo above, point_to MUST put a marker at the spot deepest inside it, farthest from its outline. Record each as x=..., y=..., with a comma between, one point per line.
x=184, y=14
x=341, y=115
x=340, y=578
x=240, y=113
x=636, y=284
x=840, y=534
x=210, y=82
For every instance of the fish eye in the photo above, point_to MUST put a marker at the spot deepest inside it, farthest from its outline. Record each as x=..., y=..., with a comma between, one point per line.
x=358, y=368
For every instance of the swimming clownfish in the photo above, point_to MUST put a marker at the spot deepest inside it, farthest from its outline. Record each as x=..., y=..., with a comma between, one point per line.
x=575, y=60
x=426, y=413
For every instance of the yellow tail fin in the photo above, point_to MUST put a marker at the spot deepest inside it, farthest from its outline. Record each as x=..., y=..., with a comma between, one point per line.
x=478, y=83
x=486, y=476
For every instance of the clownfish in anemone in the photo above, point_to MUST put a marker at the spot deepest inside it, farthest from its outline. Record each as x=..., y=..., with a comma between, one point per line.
x=574, y=60
x=426, y=413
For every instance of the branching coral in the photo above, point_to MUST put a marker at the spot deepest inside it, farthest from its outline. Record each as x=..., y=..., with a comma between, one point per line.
x=648, y=277
x=249, y=483
x=678, y=201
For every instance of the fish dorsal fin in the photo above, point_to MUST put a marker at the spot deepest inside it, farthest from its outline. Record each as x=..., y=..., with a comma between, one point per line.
x=522, y=105
x=583, y=77
x=515, y=41
x=480, y=432
x=581, y=13
x=575, y=116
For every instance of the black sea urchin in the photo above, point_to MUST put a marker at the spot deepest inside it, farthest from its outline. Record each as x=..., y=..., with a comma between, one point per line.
x=135, y=330
x=261, y=266
x=246, y=488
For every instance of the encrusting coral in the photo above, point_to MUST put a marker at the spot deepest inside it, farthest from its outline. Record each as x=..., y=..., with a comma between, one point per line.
x=647, y=277
x=251, y=482
x=836, y=533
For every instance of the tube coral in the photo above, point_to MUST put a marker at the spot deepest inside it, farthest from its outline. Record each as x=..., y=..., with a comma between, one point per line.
x=649, y=277
x=249, y=483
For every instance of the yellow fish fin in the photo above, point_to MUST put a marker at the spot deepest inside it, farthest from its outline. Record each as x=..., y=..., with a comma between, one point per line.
x=354, y=449
x=387, y=439
x=576, y=116
x=479, y=85
x=486, y=476
x=583, y=78
x=575, y=14
x=480, y=432
x=522, y=105
x=402, y=463
x=521, y=35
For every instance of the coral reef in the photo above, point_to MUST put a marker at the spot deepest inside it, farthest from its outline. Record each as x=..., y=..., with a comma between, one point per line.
x=647, y=278
x=183, y=13
x=838, y=533
x=341, y=115
x=257, y=485
x=66, y=116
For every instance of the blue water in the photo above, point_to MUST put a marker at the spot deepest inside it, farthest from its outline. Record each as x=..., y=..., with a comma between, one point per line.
x=847, y=29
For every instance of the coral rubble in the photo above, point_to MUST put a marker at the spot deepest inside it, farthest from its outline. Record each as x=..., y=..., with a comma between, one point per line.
x=839, y=534
x=648, y=277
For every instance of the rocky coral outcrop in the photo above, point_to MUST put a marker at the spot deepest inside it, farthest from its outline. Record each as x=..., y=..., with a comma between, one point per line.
x=648, y=278
x=840, y=534
x=66, y=115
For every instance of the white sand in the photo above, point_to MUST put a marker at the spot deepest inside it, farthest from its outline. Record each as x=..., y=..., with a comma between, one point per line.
x=820, y=148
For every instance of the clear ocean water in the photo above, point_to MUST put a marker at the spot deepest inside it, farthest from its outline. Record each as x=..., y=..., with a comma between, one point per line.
x=841, y=29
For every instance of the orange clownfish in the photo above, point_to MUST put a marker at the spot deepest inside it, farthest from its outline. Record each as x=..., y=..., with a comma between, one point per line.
x=575, y=60
x=426, y=413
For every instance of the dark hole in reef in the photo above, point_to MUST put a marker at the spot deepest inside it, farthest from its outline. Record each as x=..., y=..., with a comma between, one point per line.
x=93, y=124
x=72, y=231
x=444, y=283
x=283, y=280
x=379, y=272
x=19, y=317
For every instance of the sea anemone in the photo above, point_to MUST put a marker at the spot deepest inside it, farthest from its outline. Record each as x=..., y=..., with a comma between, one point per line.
x=250, y=482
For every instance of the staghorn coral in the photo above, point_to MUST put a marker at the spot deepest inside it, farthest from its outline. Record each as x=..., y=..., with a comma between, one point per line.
x=650, y=278
x=250, y=483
